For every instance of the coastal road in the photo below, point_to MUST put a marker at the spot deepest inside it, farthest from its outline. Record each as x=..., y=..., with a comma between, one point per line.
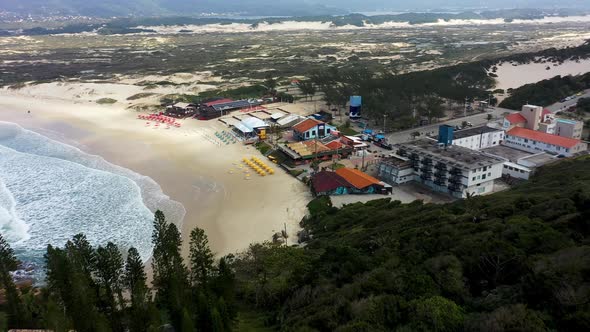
x=557, y=107
x=476, y=120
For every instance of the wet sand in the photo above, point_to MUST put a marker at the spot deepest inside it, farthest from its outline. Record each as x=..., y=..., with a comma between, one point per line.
x=190, y=169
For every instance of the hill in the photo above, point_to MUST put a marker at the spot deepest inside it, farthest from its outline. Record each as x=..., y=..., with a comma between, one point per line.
x=513, y=261
x=109, y=8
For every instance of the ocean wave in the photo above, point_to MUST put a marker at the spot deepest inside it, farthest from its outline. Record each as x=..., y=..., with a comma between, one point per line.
x=50, y=191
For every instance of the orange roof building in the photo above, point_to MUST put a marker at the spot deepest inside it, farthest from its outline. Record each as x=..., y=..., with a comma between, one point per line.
x=537, y=141
x=358, y=179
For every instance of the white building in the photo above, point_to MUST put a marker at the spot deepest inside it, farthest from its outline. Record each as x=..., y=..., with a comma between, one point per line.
x=478, y=138
x=453, y=169
x=395, y=170
x=536, y=141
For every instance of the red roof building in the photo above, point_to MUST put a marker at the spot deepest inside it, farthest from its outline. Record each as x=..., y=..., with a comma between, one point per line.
x=515, y=118
x=329, y=183
x=537, y=141
x=312, y=128
x=306, y=125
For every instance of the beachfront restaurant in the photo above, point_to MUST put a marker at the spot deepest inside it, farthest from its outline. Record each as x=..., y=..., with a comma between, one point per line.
x=304, y=151
x=181, y=110
x=250, y=127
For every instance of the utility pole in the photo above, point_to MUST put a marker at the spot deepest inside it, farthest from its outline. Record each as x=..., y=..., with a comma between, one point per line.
x=384, y=122
x=465, y=109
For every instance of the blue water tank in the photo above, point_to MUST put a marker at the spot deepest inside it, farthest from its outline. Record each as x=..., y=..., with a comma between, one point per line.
x=355, y=107
x=445, y=134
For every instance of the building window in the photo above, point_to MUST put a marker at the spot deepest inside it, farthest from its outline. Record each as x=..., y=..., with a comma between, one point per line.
x=490, y=174
x=313, y=132
x=485, y=168
x=473, y=179
x=483, y=177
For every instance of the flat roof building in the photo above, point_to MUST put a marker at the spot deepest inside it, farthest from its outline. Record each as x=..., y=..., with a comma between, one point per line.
x=450, y=169
x=478, y=138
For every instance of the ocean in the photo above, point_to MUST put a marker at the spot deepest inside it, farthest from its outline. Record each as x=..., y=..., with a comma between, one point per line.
x=50, y=191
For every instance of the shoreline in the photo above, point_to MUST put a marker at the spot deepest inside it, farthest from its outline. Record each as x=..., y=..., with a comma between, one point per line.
x=233, y=211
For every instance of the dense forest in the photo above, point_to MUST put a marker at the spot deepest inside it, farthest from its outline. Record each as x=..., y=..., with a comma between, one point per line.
x=547, y=92
x=514, y=261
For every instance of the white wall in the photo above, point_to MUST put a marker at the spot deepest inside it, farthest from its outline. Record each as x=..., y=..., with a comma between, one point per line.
x=535, y=146
x=480, y=141
x=484, y=174
x=516, y=171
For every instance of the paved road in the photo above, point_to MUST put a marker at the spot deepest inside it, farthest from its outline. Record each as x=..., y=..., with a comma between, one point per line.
x=476, y=119
x=565, y=105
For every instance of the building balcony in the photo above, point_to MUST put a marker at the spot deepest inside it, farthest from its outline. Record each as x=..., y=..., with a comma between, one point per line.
x=440, y=175
x=439, y=182
x=456, y=171
x=427, y=177
x=456, y=180
x=427, y=161
x=441, y=166
x=455, y=188
x=426, y=170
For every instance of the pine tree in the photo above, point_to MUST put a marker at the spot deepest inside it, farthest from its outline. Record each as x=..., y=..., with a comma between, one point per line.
x=201, y=257
x=187, y=322
x=109, y=271
x=134, y=281
x=170, y=275
x=8, y=263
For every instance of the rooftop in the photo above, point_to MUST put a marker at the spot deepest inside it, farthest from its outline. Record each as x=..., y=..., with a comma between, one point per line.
x=396, y=161
x=507, y=152
x=567, y=121
x=543, y=137
x=357, y=178
x=327, y=181
x=306, y=125
x=453, y=155
x=474, y=131
x=516, y=118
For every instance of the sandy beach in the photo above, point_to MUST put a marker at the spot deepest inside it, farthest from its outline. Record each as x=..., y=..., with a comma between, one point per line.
x=204, y=176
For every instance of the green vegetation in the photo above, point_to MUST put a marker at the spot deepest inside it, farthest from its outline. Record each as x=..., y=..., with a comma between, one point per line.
x=514, y=261
x=103, y=101
x=336, y=166
x=583, y=105
x=296, y=172
x=140, y=95
x=547, y=92
x=263, y=147
x=97, y=289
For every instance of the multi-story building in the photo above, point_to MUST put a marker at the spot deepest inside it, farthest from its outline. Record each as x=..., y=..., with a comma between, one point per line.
x=395, y=170
x=536, y=118
x=478, y=138
x=450, y=169
x=536, y=141
x=568, y=128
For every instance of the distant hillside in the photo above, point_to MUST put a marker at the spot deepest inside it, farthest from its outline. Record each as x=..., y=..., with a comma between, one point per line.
x=109, y=8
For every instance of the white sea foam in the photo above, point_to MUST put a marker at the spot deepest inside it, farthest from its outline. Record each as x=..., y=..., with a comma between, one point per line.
x=50, y=191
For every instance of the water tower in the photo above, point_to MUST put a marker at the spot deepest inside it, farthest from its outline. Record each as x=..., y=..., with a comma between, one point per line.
x=355, y=107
